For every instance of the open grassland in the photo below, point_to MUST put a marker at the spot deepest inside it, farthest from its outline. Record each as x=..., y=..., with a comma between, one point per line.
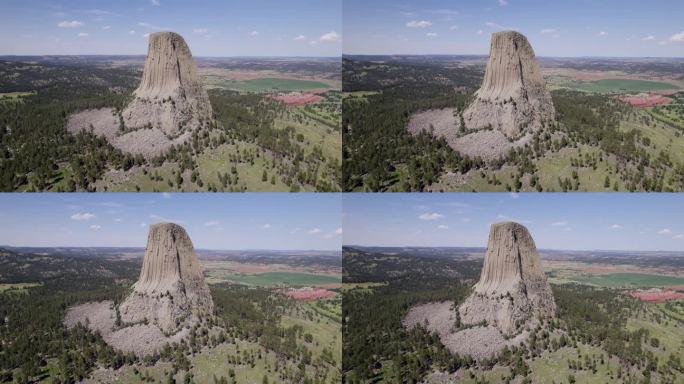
x=266, y=84
x=17, y=287
x=270, y=279
x=14, y=96
x=619, y=86
x=630, y=280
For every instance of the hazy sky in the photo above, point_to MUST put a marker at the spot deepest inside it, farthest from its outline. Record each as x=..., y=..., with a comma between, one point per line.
x=575, y=221
x=554, y=27
x=211, y=27
x=284, y=221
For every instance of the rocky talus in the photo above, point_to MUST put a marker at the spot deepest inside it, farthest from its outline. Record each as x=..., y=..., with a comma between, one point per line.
x=512, y=291
x=513, y=98
x=171, y=291
x=170, y=96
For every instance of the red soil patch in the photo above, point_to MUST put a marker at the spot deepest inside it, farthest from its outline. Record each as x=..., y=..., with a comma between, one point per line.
x=309, y=294
x=297, y=98
x=656, y=296
x=645, y=100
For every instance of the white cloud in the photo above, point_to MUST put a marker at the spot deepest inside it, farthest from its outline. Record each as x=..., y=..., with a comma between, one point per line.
x=164, y=219
x=602, y=33
x=254, y=33
x=155, y=2
x=430, y=34
x=338, y=231
x=665, y=231
x=200, y=31
x=146, y=35
x=82, y=216
x=442, y=226
x=547, y=31
x=430, y=216
x=559, y=224
x=494, y=25
x=314, y=231
x=465, y=219
x=70, y=24
x=616, y=226
x=514, y=195
x=419, y=24
x=295, y=231
x=131, y=32
x=95, y=226
x=212, y=223
x=680, y=236
x=678, y=37
x=300, y=38
x=166, y=195
x=330, y=37
x=106, y=27
x=479, y=32
x=503, y=3
x=143, y=224
x=83, y=34
x=648, y=38
x=152, y=26
x=266, y=226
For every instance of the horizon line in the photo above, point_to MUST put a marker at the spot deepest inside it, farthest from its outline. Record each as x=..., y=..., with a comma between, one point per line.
x=537, y=56
x=6, y=246
x=484, y=247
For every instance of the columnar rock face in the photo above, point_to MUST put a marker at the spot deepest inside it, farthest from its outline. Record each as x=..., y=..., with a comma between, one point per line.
x=512, y=98
x=513, y=290
x=171, y=291
x=170, y=96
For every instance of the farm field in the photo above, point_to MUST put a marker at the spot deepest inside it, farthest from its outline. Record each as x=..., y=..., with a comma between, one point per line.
x=267, y=84
x=270, y=279
x=619, y=85
x=616, y=280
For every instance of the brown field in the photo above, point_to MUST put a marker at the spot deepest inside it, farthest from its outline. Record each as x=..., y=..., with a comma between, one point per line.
x=656, y=295
x=297, y=98
x=309, y=294
x=645, y=100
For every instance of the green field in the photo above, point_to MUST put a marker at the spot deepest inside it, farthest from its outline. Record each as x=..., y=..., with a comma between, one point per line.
x=18, y=287
x=270, y=279
x=619, y=85
x=628, y=280
x=268, y=84
x=14, y=96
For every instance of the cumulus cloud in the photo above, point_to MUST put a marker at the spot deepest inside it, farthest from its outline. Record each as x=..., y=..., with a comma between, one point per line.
x=254, y=33
x=70, y=24
x=479, y=32
x=419, y=24
x=514, y=195
x=330, y=37
x=166, y=195
x=430, y=34
x=442, y=226
x=106, y=27
x=83, y=34
x=314, y=231
x=503, y=3
x=164, y=219
x=679, y=37
x=616, y=226
x=602, y=33
x=156, y=3
x=648, y=38
x=200, y=31
x=266, y=226
x=665, y=231
x=430, y=216
x=131, y=32
x=212, y=223
x=95, y=226
x=300, y=38
x=82, y=216
x=152, y=26
x=494, y=25
x=338, y=231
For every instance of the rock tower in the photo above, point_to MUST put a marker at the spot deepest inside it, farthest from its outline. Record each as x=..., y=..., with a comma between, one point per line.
x=170, y=96
x=513, y=97
x=513, y=290
x=171, y=291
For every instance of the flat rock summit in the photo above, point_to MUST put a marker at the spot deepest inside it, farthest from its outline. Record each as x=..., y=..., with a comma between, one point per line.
x=513, y=98
x=170, y=96
x=168, y=299
x=511, y=297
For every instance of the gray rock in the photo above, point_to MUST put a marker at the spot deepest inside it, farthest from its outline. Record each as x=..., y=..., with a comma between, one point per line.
x=512, y=292
x=513, y=98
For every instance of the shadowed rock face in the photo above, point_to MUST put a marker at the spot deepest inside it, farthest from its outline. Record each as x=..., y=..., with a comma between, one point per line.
x=512, y=291
x=171, y=290
x=170, y=96
x=513, y=97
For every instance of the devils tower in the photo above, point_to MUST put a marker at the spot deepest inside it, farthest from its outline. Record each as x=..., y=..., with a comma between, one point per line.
x=170, y=96
x=171, y=290
x=512, y=291
x=513, y=98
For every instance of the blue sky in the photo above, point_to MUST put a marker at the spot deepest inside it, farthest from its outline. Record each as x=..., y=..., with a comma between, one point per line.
x=579, y=221
x=554, y=27
x=211, y=27
x=229, y=221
